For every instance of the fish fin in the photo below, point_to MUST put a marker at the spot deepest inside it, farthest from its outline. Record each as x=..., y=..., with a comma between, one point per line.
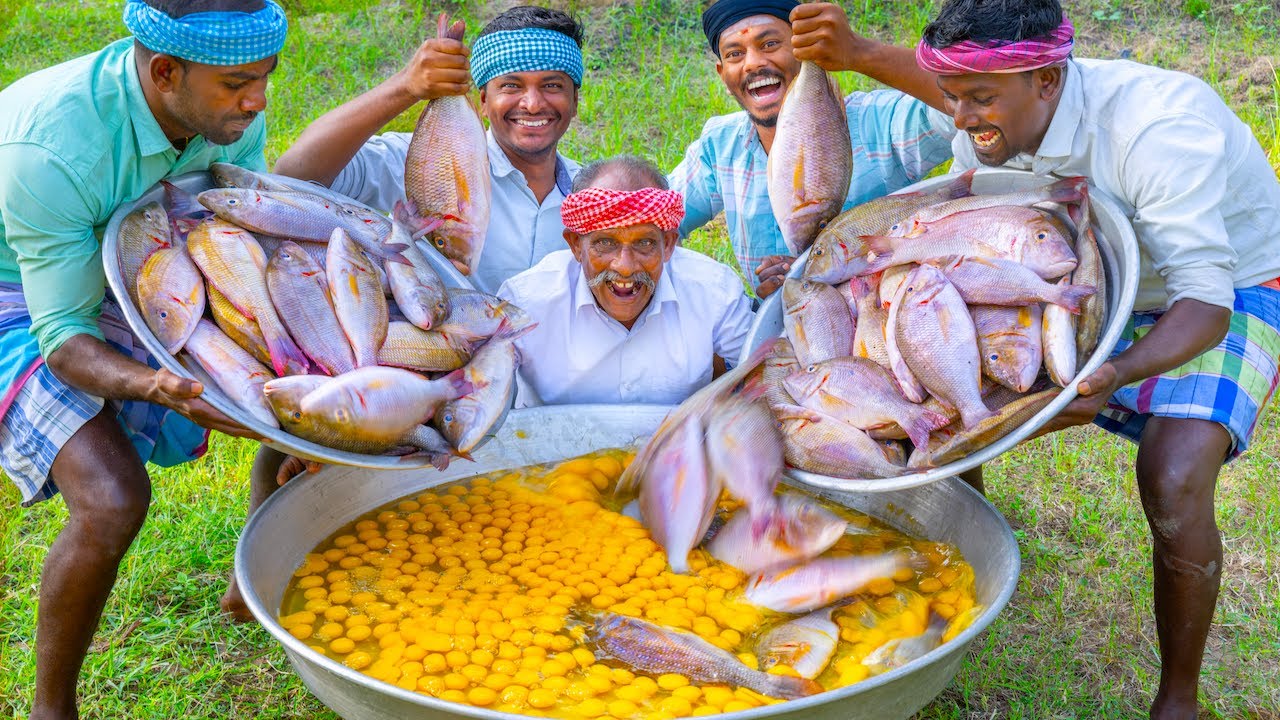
x=882, y=247
x=461, y=384
x=509, y=331
x=787, y=687
x=1066, y=190
x=464, y=190
x=960, y=187
x=918, y=429
x=1072, y=295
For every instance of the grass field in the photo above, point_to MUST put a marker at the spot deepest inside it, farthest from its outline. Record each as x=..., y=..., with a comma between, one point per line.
x=1077, y=641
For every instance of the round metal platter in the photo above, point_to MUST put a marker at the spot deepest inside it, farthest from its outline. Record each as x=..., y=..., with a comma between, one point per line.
x=274, y=437
x=1119, y=249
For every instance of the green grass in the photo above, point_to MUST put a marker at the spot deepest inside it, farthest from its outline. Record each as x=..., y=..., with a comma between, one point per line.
x=1077, y=640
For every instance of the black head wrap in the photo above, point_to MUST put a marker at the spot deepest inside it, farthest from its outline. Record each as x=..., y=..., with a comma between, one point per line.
x=724, y=13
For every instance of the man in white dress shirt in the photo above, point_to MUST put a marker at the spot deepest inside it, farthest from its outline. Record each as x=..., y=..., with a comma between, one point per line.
x=625, y=315
x=1198, y=361
x=527, y=64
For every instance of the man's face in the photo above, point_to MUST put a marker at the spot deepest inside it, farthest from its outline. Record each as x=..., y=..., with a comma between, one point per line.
x=757, y=65
x=1004, y=113
x=530, y=111
x=219, y=102
x=622, y=266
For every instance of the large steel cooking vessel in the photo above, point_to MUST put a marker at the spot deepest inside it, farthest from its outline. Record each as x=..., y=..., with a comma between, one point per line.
x=1119, y=249
x=275, y=437
x=306, y=511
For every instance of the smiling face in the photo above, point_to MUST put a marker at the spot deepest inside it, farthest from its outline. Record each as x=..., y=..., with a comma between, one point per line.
x=529, y=111
x=622, y=266
x=757, y=65
x=1004, y=114
x=214, y=101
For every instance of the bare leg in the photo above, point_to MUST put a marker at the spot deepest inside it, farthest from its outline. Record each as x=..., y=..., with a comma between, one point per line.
x=262, y=482
x=974, y=479
x=1178, y=465
x=107, y=492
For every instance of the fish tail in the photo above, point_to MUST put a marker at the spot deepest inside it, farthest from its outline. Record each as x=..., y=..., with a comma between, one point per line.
x=960, y=187
x=286, y=357
x=918, y=428
x=509, y=331
x=1071, y=296
x=883, y=248
x=1071, y=189
x=460, y=383
x=784, y=686
x=971, y=416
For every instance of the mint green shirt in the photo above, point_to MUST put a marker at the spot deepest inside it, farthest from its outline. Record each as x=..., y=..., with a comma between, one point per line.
x=78, y=140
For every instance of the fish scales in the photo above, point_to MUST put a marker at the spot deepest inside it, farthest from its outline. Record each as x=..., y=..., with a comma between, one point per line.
x=301, y=296
x=358, y=298
x=816, y=320
x=412, y=348
x=466, y=420
x=142, y=232
x=171, y=296
x=236, y=373
x=678, y=499
x=819, y=443
x=1009, y=343
x=794, y=529
x=995, y=281
x=242, y=330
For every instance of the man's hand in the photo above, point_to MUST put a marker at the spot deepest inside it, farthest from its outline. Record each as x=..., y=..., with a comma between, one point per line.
x=820, y=33
x=772, y=271
x=183, y=395
x=439, y=68
x=1094, y=391
x=293, y=467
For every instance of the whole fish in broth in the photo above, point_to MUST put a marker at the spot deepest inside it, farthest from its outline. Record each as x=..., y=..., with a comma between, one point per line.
x=805, y=644
x=900, y=651
x=678, y=499
x=171, y=296
x=933, y=316
x=820, y=582
x=816, y=319
x=744, y=454
x=811, y=161
x=446, y=174
x=654, y=649
x=1009, y=343
x=794, y=529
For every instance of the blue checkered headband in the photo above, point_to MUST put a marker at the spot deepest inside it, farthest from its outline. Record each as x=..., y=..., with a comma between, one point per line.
x=525, y=50
x=209, y=38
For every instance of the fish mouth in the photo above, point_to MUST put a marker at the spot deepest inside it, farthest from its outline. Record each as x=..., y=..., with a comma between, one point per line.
x=764, y=87
x=985, y=139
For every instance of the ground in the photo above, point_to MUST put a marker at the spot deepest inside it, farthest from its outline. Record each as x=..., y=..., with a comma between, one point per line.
x=1077, y=640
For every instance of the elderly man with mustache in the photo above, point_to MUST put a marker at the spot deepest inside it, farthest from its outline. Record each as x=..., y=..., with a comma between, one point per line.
x=624, y=315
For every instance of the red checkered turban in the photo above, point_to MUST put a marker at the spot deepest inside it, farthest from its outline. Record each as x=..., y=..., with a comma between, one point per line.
x=599, y=208
x=998, y=56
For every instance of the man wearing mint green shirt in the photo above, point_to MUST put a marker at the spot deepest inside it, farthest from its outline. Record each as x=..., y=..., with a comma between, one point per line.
x=84, y=407
x=759, y=45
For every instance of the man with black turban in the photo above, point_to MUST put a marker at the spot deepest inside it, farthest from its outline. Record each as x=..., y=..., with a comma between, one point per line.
x=759, y=45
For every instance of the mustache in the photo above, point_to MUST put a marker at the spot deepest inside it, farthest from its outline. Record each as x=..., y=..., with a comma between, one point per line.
x=604, y=276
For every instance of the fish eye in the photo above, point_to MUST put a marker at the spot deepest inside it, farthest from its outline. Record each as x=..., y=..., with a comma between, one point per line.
x=448, y=417
x=232, y=201
x=438, y=242
x=812, y=368
x=164, y=314
x=296, y=414
x=818, y=251
x=1042, y=235
x=994, y=356
x=822, y=225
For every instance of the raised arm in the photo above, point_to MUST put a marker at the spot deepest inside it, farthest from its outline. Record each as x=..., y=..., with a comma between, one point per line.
x=440, y=67
x=821, y=34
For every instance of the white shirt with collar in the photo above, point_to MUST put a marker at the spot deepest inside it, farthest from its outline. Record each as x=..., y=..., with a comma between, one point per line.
x=1202, y=197
x=579, y=354
x=521, y=230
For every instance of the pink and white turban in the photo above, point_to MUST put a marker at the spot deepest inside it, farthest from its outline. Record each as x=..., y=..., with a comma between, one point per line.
x=998, y=56
x=598, y=209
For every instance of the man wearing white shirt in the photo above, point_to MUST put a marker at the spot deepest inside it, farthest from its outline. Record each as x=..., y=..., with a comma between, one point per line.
x=1198, y=361
x=625, y=315
x=527, y=64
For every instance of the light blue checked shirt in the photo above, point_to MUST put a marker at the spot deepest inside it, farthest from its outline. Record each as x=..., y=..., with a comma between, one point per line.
x=897, y=140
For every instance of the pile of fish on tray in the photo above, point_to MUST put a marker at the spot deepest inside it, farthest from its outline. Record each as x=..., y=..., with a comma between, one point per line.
x=929, y=317
x=724, y=438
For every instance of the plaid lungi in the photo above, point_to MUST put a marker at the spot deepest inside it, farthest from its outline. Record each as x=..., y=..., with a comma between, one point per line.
x=41, y=413
x=1230, y=384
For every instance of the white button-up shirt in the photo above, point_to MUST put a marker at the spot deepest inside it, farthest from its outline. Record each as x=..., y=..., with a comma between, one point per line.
x=521, y=230
x=1203, y=200
x=579, y=354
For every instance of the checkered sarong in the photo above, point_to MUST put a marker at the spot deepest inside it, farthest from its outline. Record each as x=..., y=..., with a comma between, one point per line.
x=1230, y=384
x=41, y=413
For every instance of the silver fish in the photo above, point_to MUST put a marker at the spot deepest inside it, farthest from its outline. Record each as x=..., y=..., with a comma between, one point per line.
x=412, y=348
x=816, y=319
x=854, y=289
x=868, y=335
x=1059, y=343
x=1020, y=234
x=744, y=453
x=142, y=232
x=476, y=316
x=233, y=369
x=419, y=292
x=819, y=443
x=891, y=281
x=781, y=363
x=171, y=296
x=820, y=582
x=811, y=161
x=1089, y=272
x=185, y=212
x=242, y=330
x=466, y=420
x=805, y=644
x=900, y=651
x=863, y=394
x=1067, y=190
x=358, y=300
x=678, y=500
x=794, y=529
x=952, y=443
x=994, y=281
x=653, y=649
x=907, y=381
x=380, y=405
x=301, y=297
x=234, y=263
x=1009, y=343
x=932, y=317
